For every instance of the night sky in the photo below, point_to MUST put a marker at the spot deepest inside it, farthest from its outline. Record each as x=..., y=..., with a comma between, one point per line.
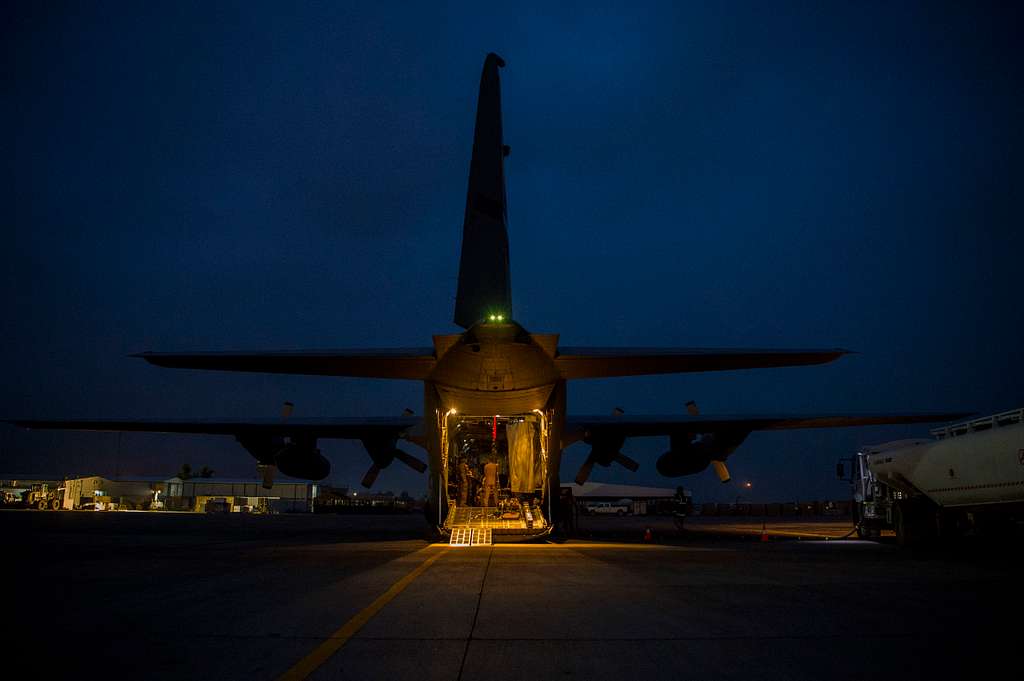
x=203, y=176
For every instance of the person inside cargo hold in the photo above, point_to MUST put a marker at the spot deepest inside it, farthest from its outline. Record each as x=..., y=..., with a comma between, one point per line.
x=465, y=480
x=490, y=497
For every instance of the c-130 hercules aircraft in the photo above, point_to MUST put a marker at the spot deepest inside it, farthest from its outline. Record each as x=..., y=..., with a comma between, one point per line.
x=494, y=421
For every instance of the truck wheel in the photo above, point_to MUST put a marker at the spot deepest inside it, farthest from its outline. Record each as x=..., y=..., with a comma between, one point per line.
x=55, y=505
x=901, y=523
x=41, y=504
x=868, y=529
x=947, y=525
x=914, y=521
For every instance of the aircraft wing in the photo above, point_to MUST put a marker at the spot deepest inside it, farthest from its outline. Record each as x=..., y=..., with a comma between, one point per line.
x=411, y=363
x=265, y=438
x=578, y=362
x=577, y=427
x=343, y=428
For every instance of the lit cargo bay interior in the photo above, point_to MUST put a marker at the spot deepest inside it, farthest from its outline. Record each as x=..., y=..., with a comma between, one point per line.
x=495, y=472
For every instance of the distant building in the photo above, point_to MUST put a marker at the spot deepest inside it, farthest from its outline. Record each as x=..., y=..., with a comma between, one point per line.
x=194, y=494
x=239, y=495
x=343, y=500
x=137, y=494
x=642, y=500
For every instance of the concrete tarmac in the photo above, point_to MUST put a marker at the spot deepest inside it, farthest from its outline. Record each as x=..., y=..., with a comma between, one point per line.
x=171, y=596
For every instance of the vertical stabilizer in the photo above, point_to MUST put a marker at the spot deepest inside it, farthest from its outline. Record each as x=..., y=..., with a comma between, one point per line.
x=484, y=282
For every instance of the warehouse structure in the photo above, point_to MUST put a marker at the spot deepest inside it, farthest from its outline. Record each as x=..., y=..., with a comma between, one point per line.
x=641, y=500
x=95, y=491
x=194, y=494
x=239, y=495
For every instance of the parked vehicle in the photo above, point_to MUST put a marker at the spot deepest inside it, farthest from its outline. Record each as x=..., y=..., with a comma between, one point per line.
x=620, y=507
x=42, y=496
x=967, y=477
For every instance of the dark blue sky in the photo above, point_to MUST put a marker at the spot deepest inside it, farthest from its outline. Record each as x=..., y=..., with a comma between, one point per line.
x=248, y=176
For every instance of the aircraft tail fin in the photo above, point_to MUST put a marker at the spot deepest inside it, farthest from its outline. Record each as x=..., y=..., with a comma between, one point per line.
x=484, y=286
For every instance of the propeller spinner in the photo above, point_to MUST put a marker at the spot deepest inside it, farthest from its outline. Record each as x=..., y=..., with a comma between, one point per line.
x=383, y=450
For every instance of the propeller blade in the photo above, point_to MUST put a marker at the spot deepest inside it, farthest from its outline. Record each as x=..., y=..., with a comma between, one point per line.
x=721, y=470
x=371, y=476
x=584, y=472
x=626, y=462
x=692, y=409
x=286, y=410
x=410, y=461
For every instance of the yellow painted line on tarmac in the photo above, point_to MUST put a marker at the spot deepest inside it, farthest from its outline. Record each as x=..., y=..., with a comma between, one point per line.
x=622, y=545
x=335, y=641
x=572, y=545
x=812, y=535
x=753, y=531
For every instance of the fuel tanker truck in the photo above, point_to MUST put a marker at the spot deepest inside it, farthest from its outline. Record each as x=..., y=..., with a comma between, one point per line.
x=969, y=477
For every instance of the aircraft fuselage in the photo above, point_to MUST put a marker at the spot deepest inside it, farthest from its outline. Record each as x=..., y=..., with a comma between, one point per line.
x=501, y=373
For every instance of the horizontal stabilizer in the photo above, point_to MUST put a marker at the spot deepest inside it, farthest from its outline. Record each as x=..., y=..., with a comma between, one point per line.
x=641, y=426
x=343, y=428
x=575, y=362
x=410, y=363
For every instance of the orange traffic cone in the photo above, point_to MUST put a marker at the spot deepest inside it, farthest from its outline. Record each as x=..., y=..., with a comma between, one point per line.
x=764, y=532
x=648, y=537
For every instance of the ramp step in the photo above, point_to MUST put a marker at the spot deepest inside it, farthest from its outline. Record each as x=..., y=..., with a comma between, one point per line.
x=461, y=536
x=471, y=536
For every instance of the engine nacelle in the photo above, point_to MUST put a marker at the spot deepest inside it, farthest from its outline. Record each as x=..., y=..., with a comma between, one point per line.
x=673, y=464
x=303, y=460
x=604, y=448
x=297, y=457
x=689, y=455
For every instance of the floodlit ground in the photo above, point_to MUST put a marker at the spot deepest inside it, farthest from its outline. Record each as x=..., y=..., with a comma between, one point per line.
x=231, y=597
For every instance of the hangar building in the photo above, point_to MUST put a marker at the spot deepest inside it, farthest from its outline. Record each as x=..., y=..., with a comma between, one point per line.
x=643, y=500
x=193, y=494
